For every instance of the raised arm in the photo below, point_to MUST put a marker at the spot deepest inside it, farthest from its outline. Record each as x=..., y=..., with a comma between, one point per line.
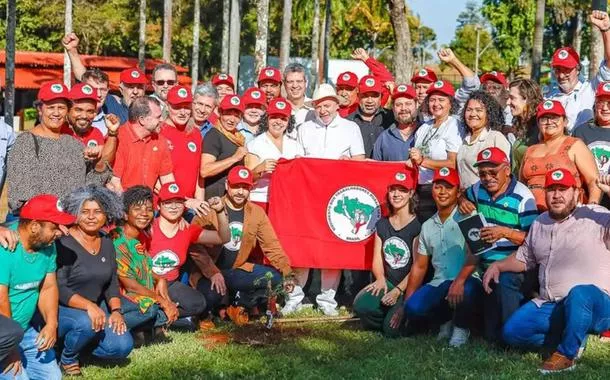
x=70, y=44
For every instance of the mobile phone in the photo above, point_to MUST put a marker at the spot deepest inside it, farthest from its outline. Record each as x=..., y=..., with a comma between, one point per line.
x=600, y=5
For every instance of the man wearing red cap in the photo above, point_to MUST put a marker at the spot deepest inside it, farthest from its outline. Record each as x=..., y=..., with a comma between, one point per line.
x=255, y=105
x=28, y=283
x=378, y=71
x=569, y=243
x=270, y=82
x=347, y=91
x=225, y=85
x=496, y=85
x=421, y=80
x=394, y=143
x=576, y=96
x=509, y=209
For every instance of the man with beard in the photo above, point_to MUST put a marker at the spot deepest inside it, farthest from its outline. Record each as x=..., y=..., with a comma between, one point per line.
x=295, y=85
x=254, y=109
x=570, y=244
x=347, y=91
x=164, y=77
x=28, y=283
x=371, y=117
x=270, y=82
x=576, y=96
x=394, y=143
x=205, y=103
x=495, y=84
x=100, y=83
x=509, y=209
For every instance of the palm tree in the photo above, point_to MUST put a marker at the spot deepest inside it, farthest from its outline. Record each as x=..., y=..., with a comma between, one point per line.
x=167, y=30
x=285, y=40
x=142, y=36
x=374, y=15
x=538, y=39
x=195, y=61
x=68, y=30
x=403, y=57
x=262, y=34
x=226, y=21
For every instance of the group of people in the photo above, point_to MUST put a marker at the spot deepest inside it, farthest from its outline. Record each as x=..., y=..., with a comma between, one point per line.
x=129, y=214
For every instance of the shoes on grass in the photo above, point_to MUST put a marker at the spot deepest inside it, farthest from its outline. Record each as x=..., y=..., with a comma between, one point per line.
x=330, y=311
x=445, y=331
x=557, y=363
x=459, y=337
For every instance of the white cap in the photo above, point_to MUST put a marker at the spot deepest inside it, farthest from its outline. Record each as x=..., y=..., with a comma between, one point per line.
x=324, y=91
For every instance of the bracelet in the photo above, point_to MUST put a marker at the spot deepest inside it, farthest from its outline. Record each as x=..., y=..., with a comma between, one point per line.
x=400, y=290
x=604, y=30
x=117, y=309
x=113, y=134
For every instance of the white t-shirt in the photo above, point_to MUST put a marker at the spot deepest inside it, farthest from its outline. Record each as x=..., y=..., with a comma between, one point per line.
x=340, y=138
x=467, y=155
x=264, y=149
x=436, y=142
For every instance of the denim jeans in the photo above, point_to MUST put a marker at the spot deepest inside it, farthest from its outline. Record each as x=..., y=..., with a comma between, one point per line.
x=10, y=336
x=503, y=301
x=35, y=365
x=429, y=302
x=564, y=324
x=134, y=318
x=75, y=328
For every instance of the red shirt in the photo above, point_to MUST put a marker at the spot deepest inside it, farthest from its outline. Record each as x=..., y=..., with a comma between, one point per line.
x=346, y=111
x=141, y=161
x=93, y=137
x=169, y=254
x=185, y=149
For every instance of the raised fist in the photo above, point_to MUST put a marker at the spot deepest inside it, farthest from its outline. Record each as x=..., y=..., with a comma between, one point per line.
x=70, y=41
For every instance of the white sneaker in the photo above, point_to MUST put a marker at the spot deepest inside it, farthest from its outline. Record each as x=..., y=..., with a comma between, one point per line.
x=330, y=311
x=459, y=337
x=290, y=308
x=445, y=331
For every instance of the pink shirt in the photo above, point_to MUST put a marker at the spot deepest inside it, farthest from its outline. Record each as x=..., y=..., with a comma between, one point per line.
x=570, y=252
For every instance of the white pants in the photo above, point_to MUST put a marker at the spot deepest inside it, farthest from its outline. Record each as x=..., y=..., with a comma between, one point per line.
x=328, y=288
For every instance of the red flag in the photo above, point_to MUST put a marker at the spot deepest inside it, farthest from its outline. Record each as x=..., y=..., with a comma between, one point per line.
x=324, y=211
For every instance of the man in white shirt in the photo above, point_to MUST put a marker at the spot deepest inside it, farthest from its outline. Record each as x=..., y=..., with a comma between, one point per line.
x=332, y=137
x=295, y=86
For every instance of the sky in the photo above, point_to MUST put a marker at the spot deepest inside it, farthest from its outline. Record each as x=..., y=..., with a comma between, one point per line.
x=440, y=15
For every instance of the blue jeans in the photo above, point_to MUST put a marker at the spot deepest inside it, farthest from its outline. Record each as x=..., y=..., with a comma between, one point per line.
x=564, y=324
x=134, y=318
x=503, y=301
x=429, y=302
x=36, y=365
x=75, y=328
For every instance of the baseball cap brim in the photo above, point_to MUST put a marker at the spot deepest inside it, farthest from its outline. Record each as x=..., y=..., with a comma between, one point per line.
x=60, y=218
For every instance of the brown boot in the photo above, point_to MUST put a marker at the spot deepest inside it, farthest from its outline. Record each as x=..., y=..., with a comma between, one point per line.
x=557, y=363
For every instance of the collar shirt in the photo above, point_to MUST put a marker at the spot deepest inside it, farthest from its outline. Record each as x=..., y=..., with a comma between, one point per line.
x=243, y=129
x=469, y=150
x=371, y=130
x=117, y=106
x=340, y=138
x=205, y=128
x=391, y=146
x=100, y=123
x=570, y=252
x=303, y=114
x=164, y=109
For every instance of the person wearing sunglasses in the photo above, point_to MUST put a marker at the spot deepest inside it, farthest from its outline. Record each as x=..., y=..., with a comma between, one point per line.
x=509, y=209
x=164, y=77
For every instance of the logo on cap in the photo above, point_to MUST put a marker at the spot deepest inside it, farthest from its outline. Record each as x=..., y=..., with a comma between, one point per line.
x=494, y=73
x=422, y=72
x=402, y=88
x=346, y=76
x=235, y=101
x=563, y=54
x=606, y=87
x=243, y=173
x=87, y=90
x=557, y=175
x=182, y=93
x=255, y=95
x=438, y=84
x=173, y=188
x=135, y=74
x=400, y=176
x=56, y=88
x=92, y=143
x=369, y=82
x=280, y=105
x=59, y=206
x=223, y=76
x=486, y=154
x=192, y=146
x=269, y=72
x=547, y=105
x=444, y=172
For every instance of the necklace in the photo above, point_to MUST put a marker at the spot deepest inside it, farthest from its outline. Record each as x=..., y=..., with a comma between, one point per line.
x=83, y=242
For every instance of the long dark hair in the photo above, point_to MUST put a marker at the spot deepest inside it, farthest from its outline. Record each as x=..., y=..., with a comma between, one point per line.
x=525, y=127
x=495, y=115
x=413, y=203
x=264, y=124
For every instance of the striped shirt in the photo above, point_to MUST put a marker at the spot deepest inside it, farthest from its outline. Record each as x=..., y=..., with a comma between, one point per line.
x=515, y=208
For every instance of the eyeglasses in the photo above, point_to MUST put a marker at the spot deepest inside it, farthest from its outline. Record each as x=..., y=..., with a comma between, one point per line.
x=164, y=82
x=549, y=119
x=493, y=173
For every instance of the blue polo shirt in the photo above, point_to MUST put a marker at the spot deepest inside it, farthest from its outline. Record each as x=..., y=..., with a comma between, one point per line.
x=390, y=145
x=112, y=105
x=205, y=128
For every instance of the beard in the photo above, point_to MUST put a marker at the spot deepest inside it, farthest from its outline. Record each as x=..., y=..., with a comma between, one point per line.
x=405, y=119
x=560, y=215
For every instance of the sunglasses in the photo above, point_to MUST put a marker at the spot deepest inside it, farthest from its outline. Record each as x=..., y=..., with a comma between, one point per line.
x=164, y=82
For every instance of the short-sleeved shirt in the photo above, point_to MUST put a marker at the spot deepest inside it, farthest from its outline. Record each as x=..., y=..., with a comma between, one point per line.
x=248, y=135
x=141, y=161
x=205, y=128
x=92, y=138
x=339, y=138
x=169, y=253
x=445, y=245
x=22, y=273
x=371, y=130
x=515, y=208
x=391, y=146
x=185, y=150
x=133, y=262
x=598, y=140
x=263, y=148
x=217, y=145
x=119, y=108
x=436, y=142
x=467, y=155
x=396, y=246
x=229, y=251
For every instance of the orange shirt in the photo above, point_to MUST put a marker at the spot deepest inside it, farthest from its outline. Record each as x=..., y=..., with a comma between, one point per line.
x=141, y=161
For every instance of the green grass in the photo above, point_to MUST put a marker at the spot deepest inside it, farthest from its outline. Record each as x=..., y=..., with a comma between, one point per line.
x=337, y=351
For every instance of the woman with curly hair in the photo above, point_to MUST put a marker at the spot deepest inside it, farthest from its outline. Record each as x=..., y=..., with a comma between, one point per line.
x=89, y=300
x=272, y=143
x=483, y=117
x=523, y=97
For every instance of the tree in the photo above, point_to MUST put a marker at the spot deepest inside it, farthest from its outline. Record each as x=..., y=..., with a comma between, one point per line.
x=315, y=43
x=372, y=16
x=234, y=32
x=68, y=30
x=471, y=15
x=167, y=30
x=538, y=39
x=11, y=26
x=195, y=59
x=403, y=58
x=464, y=46
x=142, y=35
x=285, y=41
x=226, y=22
x=262, y=34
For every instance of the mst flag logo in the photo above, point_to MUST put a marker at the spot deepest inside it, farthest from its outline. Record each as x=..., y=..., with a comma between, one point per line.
x=352, y=213
x=236, y=229
x=164, y=262
x=396, y=252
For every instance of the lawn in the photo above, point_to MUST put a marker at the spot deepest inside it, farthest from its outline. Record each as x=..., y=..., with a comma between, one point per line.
x=334, y=350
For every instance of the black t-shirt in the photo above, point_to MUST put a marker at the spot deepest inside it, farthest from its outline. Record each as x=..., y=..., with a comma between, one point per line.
x=396, y=248
x=229, y=250
x=598, y=141
x=371, y=130
x=93, y=277
x=216, y=144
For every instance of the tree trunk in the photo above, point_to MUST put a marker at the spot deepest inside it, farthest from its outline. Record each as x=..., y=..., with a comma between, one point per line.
x=596, y=54
x=262, y=35
x=538, y=39
x=9, y=75
x=315, y=41
x=195, y=59
x=142, y=36
x=403, y=57
x=167, y=30
x=68, y=30
x=226, y=21
x=234, y=32
x=574, y=33
x=327, y=27
x=285, y=41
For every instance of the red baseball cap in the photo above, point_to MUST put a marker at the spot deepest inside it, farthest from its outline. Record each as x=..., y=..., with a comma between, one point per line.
x=550, y=107
x=171, y=191
x=443, y=87
x=47, y=208
x=403, y=179
x=133, y=76
x=179, y=95
x=279, y=106
x=565, y=57
x=491, y=155
x=82, y=91
x=425, y=75
x=494, y=76
x=231, y=102
x=603, y=89
x=448, y=175
x=347, y=79
x=223, y=79
x=368, y=83
x=53, y=90
x=240, y=175
x=561, y=177
x=404, y=91
x=270, y=74
x=254, y=95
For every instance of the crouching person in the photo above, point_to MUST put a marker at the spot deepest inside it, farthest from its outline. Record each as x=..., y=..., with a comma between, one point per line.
x=89, y=303
x=28, y=281
x=451, y=297
x=392, y=258
x=570, y=244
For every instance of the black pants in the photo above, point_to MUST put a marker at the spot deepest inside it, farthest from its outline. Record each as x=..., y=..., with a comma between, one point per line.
x=10, y=337
x=190, y=302
x=426, y=207
x=501, y=303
